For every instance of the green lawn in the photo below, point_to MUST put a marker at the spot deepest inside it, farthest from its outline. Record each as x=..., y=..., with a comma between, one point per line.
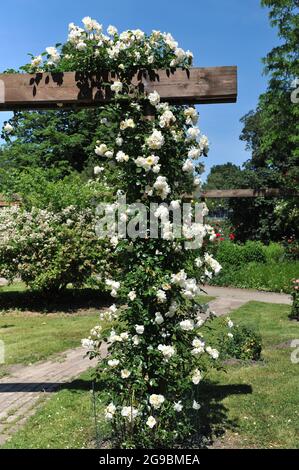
x=249, y=405
x=261, y=399
x=34, y=327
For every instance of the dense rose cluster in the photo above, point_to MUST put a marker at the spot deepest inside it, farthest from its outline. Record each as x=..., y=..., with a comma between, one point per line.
x=92, y=47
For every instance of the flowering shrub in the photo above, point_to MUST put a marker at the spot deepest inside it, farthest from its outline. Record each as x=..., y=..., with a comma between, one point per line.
x=241, y=342
x=295, y=294
x=233, y=340
x=157, y=356
x=49, y=250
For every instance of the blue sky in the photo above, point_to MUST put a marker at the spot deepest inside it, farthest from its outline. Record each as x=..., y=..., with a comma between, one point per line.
x=219, y=32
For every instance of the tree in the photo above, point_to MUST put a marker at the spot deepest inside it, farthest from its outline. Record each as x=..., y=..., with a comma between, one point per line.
x=271, y=132
x=59, y=140
x=221, y=177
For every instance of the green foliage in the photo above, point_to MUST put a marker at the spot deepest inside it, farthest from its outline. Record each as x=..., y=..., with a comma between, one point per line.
x=245, y=344
x=271, y=135
x=43, y=189
x=234, y=341
x=272, y=276
x=51, y=139
x=47, y=250
x=274, y=252
x=232, y=254
x=294, y=315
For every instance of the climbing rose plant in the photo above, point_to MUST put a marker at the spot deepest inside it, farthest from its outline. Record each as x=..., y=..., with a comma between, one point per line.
x=157, y=353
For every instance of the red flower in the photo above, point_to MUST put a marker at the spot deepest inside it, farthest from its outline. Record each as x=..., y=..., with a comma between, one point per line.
x=231, y=236
x=218, y=235
x=222, y=239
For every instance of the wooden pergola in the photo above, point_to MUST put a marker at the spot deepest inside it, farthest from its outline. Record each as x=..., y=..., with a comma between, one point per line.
x=51, y=90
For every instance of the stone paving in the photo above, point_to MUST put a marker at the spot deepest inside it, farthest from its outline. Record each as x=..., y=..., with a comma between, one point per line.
x=22, y=390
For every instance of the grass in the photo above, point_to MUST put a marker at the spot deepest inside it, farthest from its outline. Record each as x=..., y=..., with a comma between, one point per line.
x=266, y=413
x=250, y=405
x=270, y=276
x=34, y=327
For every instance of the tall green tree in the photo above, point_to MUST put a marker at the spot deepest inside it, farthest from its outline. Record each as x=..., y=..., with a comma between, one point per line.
x=271, y=131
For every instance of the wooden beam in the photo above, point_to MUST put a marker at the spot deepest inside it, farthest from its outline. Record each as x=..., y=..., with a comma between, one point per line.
x=49, y=90
x=246, y=193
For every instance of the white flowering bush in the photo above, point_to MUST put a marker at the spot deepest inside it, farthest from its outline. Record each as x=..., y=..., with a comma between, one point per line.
x=158, y=355
x=49, y=250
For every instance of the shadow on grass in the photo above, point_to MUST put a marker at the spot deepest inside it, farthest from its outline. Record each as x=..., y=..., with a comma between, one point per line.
x=213, y=420
x=67, y=301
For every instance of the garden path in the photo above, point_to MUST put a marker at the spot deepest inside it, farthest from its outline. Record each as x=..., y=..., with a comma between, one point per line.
x=231, y=298
x=25, y=387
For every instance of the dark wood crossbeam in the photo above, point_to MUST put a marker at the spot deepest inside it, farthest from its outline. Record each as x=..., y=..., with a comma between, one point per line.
x=49, y=90
x=246, y=193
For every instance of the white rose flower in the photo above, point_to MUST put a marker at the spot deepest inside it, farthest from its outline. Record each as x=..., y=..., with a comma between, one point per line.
x=191, y=116
x=109, y=154
x=196, y=406
x=127, y=123
x=81, y=46
x=154, y=98
x=230, y=335
x=187, y=325
x=156, y=401
x=175, y=204
x=112, y=30
x=125, y=373
x=161, y=296
x=98, y=170
x=151, y=422
x=88, y=343
x=139, y=329
x=101, y=150
x=161, y=187
x=167, y=351
x=110, y=411
x=198, y=343
x=194, y=153
x=129, y=412
x=196, y=377
x=132, y=295
x=193, y=133
x=214, y=353
x=188, y=166
x=156, y=140
x=122, y=157
x=113, y=362
x=124, y=336
x=119, y=141
x=159, y=318
x=178, y=406
x=135, y=340
x=36, y=61
x=8, y=128
x=116, y=87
